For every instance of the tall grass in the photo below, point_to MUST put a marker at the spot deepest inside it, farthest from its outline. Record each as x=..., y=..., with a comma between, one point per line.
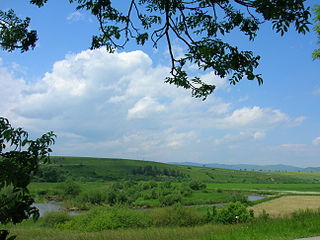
x=301, y=224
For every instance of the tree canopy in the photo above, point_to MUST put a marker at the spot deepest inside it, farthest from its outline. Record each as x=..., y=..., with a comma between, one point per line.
x=19, y=161
x=316, y=53
x=199, y=25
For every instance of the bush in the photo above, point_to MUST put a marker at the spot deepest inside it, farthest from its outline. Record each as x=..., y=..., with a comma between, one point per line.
x=175, y=216
x=197, y=185
x=98, y=219
x=53, y=219
x=70, y=188
x=170, y=199
x=116, y=197
x=234, y=212
x=185, y=190
x=94, y=197
x=238, y=197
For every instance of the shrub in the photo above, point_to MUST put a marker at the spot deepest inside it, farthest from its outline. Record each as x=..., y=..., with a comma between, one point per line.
x=234, y=212
x=70, y=188
x=238, y=197
x=98, y=219
x=197, y=185
x=175, y=216
x=53, y=219
x=170, y=199
x=94, y=197
x=185, y=190
x=114, y=197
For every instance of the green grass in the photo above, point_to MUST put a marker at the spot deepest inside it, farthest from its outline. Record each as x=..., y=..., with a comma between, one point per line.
x=266, y=187
x=93, y=169
x=305, y=224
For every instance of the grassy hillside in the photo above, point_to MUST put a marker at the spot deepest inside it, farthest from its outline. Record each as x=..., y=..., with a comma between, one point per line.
x=115, y=169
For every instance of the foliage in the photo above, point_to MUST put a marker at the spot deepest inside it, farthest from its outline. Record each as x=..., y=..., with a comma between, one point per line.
x=15, y=33
x=316, y=53
x=175, y=216
x=95, y=197
x=54, y=219
x=70, y=188
x=98, y=219
x=234, y=212
x=199, y=25
x=149, y=170
x=19, y=160
x=50, y=174
x=273, y=229
x=197, y=185
x=238, y=197
x=170, y=199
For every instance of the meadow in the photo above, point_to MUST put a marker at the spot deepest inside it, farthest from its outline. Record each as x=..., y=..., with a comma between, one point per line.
x=126, y=199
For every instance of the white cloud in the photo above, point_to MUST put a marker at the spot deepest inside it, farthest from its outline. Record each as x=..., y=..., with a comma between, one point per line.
x=256, y=116
x=290, y=147
x=179, y=139
x=144, y=108
x=258, y=135
x=103, y=104
x=78, y=16
x=316, y=141
x=241, y=137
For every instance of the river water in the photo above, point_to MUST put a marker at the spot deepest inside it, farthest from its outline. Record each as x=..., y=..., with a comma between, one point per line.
x=52, y=207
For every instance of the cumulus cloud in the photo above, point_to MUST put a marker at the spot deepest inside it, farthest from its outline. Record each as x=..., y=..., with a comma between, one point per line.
x=103, y=104
x=145, y=107
x=256, y=117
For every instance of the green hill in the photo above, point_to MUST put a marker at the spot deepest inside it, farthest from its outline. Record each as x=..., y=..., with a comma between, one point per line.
x=108, y=169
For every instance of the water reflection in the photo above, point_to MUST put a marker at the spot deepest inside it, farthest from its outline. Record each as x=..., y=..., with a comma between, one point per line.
x=52, y=207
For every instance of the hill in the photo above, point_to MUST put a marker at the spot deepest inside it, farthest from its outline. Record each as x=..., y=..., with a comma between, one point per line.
x=109, y=169
x=277, y=167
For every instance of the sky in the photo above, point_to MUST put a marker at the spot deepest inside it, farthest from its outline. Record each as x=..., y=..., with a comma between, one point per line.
x=118, y=106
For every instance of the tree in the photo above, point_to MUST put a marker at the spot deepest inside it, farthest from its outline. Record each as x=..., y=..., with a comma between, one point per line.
x=19, y=161
x=200, y=25
x=316, y=53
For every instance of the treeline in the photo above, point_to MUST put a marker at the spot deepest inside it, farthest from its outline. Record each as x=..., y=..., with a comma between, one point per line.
x=50, y=174
x=154, y=171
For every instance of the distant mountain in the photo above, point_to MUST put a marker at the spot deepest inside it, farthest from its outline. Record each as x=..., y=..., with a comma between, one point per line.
x=250, y=167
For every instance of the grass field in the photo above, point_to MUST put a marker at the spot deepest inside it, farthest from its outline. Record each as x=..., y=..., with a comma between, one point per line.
x=98, y=175
x=314, y=188
x=115, y=169
x=286, y=205
x=303, y=225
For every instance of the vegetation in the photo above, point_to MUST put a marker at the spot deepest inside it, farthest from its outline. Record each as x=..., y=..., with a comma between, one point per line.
x=107, y=169
x=113, y=207
x=286, y=205
x=200, y=26
x=19, y=160
x=154, y=171
x=316, y=53
x=298, y=225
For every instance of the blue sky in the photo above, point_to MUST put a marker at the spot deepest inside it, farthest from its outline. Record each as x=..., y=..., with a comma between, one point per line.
x=116, y=105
